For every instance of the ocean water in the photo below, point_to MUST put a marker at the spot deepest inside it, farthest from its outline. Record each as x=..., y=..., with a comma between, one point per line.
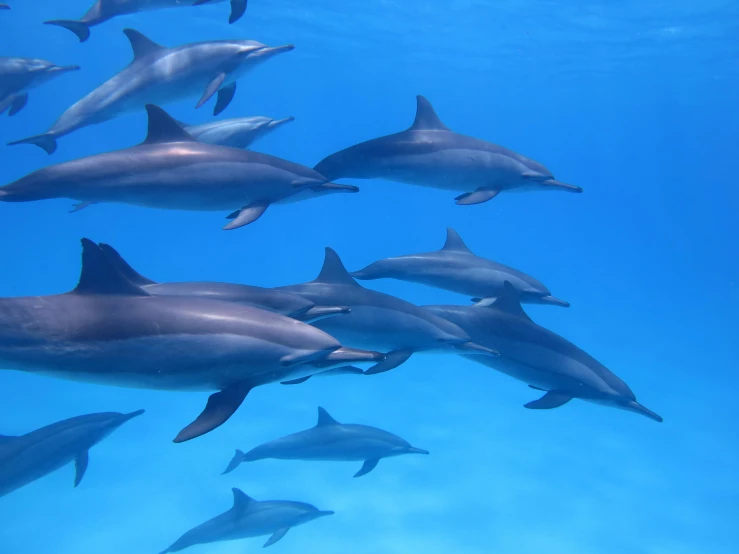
x=636, y=102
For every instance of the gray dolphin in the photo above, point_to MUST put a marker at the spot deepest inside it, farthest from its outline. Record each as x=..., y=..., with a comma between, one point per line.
x=281, y=302
x=103, y=10
x=158, y=75
x=19, y=75
x=538, y=357
x=431, y=155
x=31, y=456
x=171, y=170
x=386, y=322
x=330, y=440
x=110, y=331
x=457, y=269
x=237, y=133
x=250, y=518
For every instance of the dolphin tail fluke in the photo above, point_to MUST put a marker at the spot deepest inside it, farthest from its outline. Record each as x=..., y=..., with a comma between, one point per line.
x=79, y=28
x=391, y=361
x=46, y=141
x=221, y=406
x=235, y=462
x=368, y=466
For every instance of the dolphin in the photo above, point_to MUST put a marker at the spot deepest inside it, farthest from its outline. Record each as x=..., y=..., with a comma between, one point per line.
x=285, y=303
x=330, y=440
x=237, y=133
x=171, y=170
x=31, y=456
x=250, y=518
x=110, y=331
x=159, y=75
x=19, y=75
x=386, y=322
x=431, y=155
x=538, y=357
x=104, y=10
x=457, y=269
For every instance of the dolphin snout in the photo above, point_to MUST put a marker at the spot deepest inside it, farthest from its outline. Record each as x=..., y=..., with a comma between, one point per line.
x=132, y=415
x=322, y=513
x=278, y=122
x=554, y=301
x=64, y=68
x=559, y=184
x=414, y=450
x=634, y=406
x=272, y=50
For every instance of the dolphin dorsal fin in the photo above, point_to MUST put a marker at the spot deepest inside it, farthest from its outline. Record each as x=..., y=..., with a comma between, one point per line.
x=241, y=500
x=455, y=242
x=333, y=270
x=140, y=44
x=122, y=265
x=325, y=419
x=426, y=118
x=508, y=301
x=164, y=128
x=100, y=276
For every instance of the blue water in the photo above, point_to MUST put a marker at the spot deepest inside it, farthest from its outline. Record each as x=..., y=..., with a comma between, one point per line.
x=636, y=102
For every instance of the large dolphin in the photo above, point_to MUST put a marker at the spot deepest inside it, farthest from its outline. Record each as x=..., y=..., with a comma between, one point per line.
x=171, y=170
x=19, y=75
x=238, y=133
x=431, y=155
x=456, y=268
x=538, y=357
x=31, y=456
x=250, y=518
x=159, y=75
x=388, y=323
x=103, y=10
x=110, y=331
x=281, y=302
x=330, y=440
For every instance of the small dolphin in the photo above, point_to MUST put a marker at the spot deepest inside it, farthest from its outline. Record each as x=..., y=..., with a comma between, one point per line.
x=285, y=303
x=237, y=133
x=32, y=456
x=538, y=357
x=103, y=10
x=330, y=440
x=19, y=75
x=431, y=155
x=386, y=322
x=171, y=170
x=110, y=331
x=250, y=518
x=159, y=75
x=457, y=269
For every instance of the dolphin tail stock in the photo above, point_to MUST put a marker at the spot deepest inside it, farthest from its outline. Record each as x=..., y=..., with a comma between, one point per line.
x=79, y=28
x=235, y=462
x=221, y=406
x=46, y=141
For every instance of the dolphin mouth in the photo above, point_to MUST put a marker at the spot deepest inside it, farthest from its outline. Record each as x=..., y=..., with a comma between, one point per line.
x=634, y=406
x=64, y=68
x=473, y=346
x=414, y=450
x=272, y=50
x=554, y=301
x=560, y=185
x=322, y=513
x=132, y=415
x=278, y=122
x=334, y=187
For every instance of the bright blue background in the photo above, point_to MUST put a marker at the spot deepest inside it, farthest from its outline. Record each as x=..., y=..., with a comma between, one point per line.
x=634, y=101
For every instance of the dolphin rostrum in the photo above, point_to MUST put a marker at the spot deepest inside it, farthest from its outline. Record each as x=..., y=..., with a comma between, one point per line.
x=457, y=269
x=19, y=75
x=330, y=440
x=285, y=303
x=171, y=170
x=431, y=155
x=538, y=357
x=110, y=331
x=31, y=456
x=159, y=75
x=238, y=133
x=386, y=322
x=250, y=518
x=103, y=10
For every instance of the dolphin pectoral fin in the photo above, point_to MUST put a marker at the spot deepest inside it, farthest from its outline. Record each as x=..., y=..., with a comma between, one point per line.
x=80, y=466
x=221, y=406
x=79, y=28
x=235, y=462
x=277, y=535
x=343, y=370
x=246, y=215
x=368, y=466
x=296, y=381
x=552, y=399
x=211, y=89
x=391, y=361
x=81, y=206
x=46, y=141
x=477, y=197
x=225, y=95
x=18, y=103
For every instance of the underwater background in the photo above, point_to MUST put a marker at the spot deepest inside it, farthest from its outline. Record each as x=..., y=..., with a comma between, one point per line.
x=636, y=102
